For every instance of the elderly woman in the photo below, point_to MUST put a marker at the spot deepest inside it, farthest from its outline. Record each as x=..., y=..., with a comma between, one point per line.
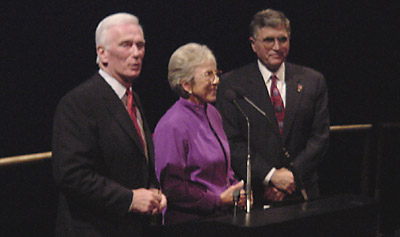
x=192, y=156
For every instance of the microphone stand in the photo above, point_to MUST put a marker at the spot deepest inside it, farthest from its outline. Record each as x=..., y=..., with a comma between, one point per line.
x=248, y=162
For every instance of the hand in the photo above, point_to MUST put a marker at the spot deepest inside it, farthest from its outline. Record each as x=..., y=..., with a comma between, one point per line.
x=146, y=201
x=273, y=194
x=283, y=179
x=242, y=201
x=242, y=198
x=163, y=203
x=226, y=198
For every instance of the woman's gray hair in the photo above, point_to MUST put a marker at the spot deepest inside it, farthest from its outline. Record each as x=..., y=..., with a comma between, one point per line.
x=268, y=18
x=183, y=63
x=120, y=18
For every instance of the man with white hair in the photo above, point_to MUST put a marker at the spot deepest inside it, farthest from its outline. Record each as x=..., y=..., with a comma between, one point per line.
x=103, y=156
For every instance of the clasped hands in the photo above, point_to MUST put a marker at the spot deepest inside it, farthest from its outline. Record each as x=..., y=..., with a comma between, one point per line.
x=283, y=181
x=148, y=201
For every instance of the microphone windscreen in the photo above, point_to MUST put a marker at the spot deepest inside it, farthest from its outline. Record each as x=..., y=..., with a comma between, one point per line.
x=236, y=195
x=238, y=91
x=230, y=95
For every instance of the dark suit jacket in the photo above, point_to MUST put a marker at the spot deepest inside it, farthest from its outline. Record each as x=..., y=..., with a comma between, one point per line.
x=97, y=160
x=306, y=123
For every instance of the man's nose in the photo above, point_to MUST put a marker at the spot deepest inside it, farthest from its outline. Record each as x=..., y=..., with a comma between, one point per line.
x=135, y=51
x=277, y=44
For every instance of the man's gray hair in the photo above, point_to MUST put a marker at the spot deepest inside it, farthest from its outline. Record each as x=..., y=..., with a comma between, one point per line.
x=268, y=18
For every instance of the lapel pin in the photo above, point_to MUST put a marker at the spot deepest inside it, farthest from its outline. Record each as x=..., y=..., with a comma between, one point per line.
x=299, y=87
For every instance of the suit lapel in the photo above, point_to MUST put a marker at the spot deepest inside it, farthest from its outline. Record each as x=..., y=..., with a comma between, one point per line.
x=118, y=110
x=147, y=133
x=259, y=94
x=294, y=92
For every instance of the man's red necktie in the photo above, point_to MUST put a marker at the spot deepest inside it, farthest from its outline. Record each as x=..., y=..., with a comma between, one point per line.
x=277, y=103
x=131, y=107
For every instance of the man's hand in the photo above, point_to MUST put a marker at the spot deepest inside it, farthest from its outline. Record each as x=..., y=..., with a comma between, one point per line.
x=273, y=194
x=283, y=179
x=163, y=203
x=243, y=200
x=147, y=201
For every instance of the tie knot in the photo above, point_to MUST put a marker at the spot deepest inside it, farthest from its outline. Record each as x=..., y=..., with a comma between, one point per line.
x=273, y=79
x=128, y=92
x=130, y=99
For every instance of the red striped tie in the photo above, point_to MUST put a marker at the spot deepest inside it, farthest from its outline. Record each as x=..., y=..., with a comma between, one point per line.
x=277, y=103
x=131, y=107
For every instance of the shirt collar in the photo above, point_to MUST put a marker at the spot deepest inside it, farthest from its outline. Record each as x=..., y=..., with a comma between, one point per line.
x=199, y=110
x=119, y=89
x=280, y=73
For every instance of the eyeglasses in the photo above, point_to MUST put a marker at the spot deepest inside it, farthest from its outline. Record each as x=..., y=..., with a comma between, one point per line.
x=210, y=75
x=270, y=41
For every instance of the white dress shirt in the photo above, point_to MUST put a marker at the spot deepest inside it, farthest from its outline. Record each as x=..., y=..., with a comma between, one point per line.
x=281, y=85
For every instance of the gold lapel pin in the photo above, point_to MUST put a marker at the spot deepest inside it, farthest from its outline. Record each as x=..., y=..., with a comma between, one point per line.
x=299, y=87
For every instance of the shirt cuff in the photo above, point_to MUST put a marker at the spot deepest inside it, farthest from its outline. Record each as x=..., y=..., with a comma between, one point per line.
x=269, y=176
x=131, y=206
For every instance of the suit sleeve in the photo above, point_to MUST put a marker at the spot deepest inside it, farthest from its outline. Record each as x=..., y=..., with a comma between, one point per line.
x=171, y=147
x=308, y=159
x=78, y=166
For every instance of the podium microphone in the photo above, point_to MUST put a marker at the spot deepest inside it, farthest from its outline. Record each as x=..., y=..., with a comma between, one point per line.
x=231, y=96
x=235, y=195
x=239, y=94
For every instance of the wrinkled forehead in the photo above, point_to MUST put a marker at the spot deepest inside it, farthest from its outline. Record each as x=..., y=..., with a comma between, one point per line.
x=122, y=32
x=126, y=28
x=270, y=31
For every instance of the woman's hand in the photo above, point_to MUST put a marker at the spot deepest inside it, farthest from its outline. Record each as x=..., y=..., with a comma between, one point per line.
x=226, y=198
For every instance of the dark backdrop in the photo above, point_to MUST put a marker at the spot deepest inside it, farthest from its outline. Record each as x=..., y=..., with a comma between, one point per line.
x=47, y=48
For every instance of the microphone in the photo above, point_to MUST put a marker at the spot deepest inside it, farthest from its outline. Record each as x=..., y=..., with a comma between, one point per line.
x=237, y=92
x=235, y=195
x=231, y=96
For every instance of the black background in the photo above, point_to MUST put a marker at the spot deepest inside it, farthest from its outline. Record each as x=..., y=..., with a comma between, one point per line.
x=47, y=48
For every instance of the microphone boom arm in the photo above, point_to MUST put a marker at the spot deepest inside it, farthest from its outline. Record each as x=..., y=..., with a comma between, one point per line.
x=257, y=108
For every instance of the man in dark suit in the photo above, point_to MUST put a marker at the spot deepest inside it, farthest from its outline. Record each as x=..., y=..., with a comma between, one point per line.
x=293, y=135
x=103, y=157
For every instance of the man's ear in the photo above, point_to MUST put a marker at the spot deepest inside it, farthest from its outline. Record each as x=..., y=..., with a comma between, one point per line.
x=252, y=42
x=102, y=54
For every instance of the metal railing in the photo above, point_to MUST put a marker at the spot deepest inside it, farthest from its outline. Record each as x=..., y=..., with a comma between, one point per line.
x=14, y=160
x=343, y=128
